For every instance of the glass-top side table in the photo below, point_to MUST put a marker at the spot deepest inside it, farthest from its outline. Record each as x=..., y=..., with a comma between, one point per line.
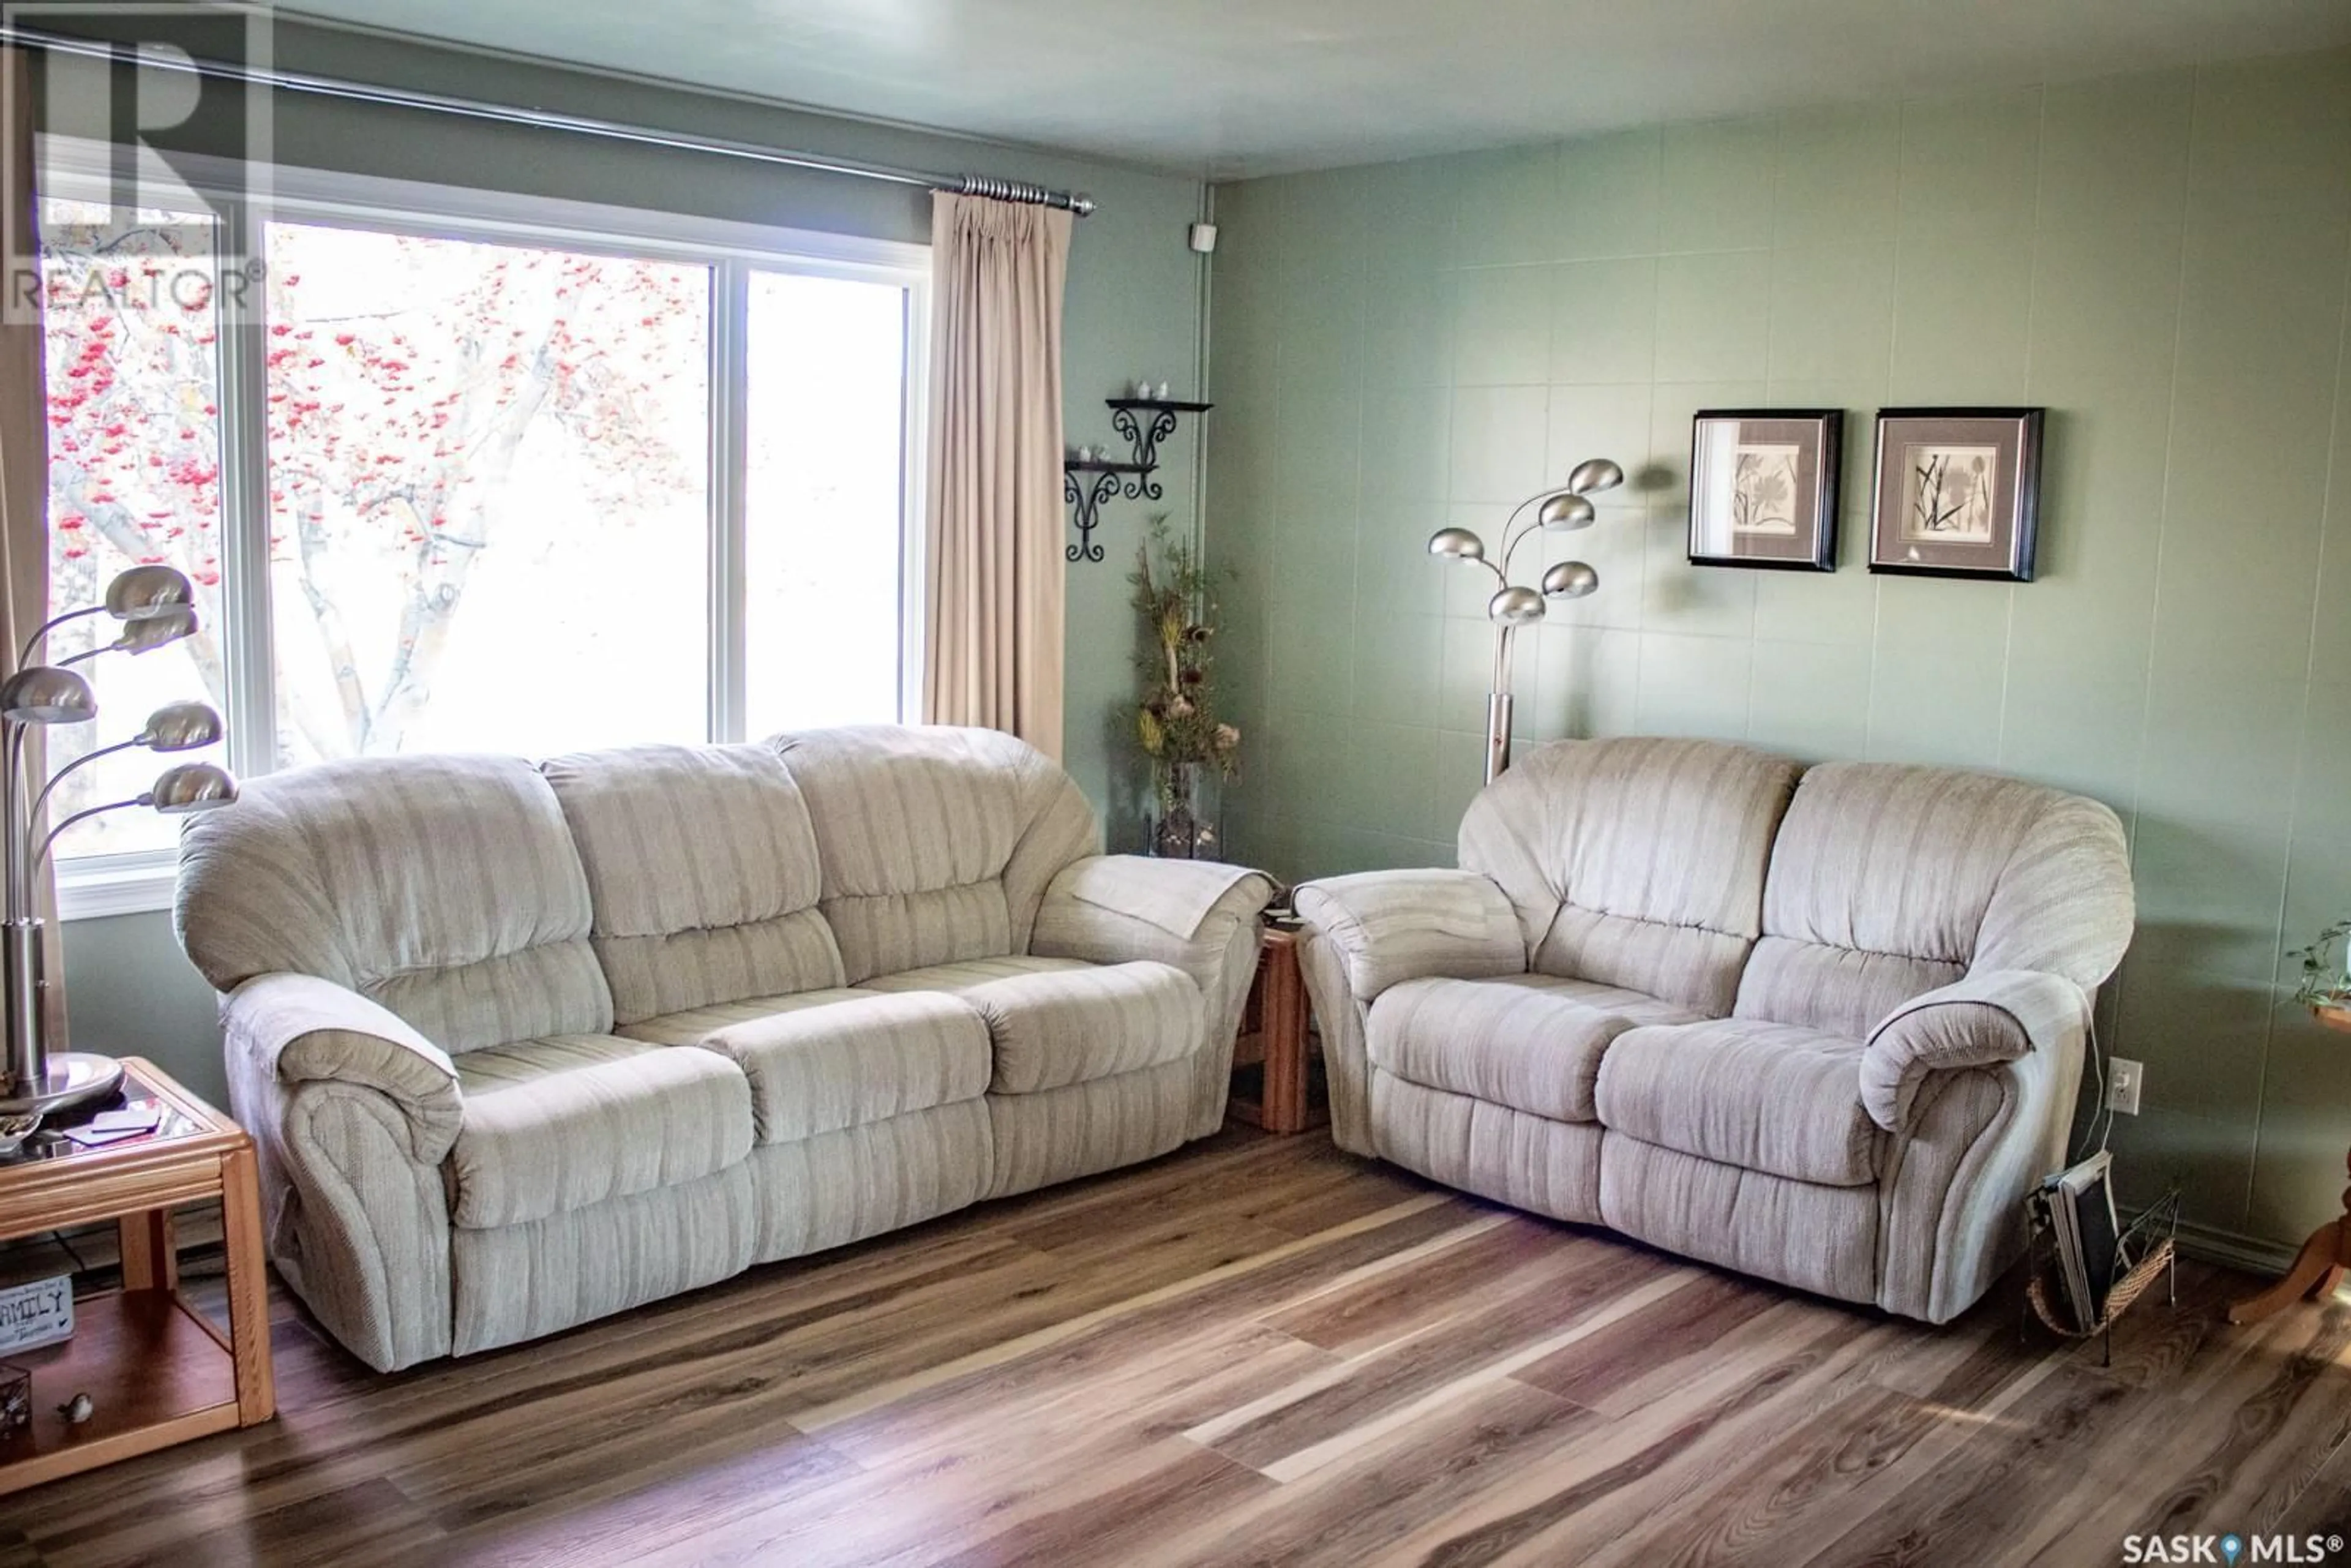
x=158, y=1371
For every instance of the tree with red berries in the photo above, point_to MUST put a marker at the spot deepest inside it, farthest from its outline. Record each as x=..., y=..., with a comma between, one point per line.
x=403, y=375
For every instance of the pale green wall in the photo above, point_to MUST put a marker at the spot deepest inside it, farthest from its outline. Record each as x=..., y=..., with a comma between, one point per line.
x=1133, y=308
x=2162, y=260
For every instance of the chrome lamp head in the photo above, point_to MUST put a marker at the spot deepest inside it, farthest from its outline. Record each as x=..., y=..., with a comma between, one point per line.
x=144, y=591
x=1456, y=543
x=180, y=726
x=1515, y=607
x=1570, y=579
x=47, y=694
x=157, y=628
x=1594, y=475
x=1565, y=512
x=190, y=786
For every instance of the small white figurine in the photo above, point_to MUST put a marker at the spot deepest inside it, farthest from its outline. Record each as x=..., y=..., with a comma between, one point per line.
x=1162, y=391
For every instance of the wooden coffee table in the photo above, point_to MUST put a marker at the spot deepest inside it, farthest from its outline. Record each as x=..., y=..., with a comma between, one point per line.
x=158, y=1371
x=1273, y=1060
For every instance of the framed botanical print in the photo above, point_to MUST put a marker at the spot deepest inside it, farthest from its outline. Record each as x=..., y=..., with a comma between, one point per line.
x=1958, y=492
x=1764, y=488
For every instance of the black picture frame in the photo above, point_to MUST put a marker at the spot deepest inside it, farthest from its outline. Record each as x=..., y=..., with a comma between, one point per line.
x=1994, y=518
x=1798, y=450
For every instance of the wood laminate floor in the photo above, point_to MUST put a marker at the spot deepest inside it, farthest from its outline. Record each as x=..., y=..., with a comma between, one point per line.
x=1258, y=1351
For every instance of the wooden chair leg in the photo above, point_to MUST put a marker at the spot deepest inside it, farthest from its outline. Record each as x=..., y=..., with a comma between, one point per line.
x=2316, y=1270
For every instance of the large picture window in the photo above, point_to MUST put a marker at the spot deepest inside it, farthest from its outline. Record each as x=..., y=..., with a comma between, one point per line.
x=467, y=472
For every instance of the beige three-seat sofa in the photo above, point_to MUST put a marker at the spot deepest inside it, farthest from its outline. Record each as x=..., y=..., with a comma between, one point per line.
x=1821, y=1025
x=526, y=1045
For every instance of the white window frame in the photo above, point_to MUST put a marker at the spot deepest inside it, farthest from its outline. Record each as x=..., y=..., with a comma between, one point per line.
x=75, y=169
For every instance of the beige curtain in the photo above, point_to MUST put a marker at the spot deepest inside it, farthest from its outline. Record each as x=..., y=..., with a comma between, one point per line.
x=25, y=442
x=993, y=551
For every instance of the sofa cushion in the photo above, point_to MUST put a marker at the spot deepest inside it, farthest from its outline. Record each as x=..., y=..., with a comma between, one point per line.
x=1634, y=862
x=1761, y=1096
x=1054, y=1022
x=1528, y=1042
x=445, y=889
x=702, y=863
x=695, y=1026
x=564, y=1122
x=962, y=974
x=937, y=843
x=862, y=1058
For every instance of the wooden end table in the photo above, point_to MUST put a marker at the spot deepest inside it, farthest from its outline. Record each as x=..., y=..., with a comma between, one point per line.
x=2320, y=1266
x=158, y=1371
x=1275, y=1040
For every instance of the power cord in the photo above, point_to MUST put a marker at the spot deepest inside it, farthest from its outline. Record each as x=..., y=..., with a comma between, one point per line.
x=2100, y=1129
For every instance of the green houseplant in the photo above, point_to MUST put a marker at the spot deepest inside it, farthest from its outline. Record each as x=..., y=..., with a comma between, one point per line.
x=2325, y=983
x=1189, y=747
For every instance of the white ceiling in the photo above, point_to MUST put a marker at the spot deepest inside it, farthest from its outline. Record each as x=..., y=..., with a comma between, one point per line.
x=1231, y=88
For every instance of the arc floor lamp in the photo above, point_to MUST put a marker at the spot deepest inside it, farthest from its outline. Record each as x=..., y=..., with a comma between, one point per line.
x=1562, y=510
x=153, y=604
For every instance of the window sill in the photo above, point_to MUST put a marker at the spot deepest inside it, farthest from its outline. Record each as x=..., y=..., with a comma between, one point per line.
x=96, y=892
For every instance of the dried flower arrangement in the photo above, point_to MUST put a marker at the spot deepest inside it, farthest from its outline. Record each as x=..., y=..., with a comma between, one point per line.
x=1176, y=720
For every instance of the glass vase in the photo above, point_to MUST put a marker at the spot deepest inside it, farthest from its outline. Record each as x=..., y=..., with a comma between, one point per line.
x=1184, y=826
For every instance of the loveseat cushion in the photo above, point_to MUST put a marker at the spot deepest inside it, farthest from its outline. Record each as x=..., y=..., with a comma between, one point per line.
x=1890, y=880
x=567, y=1121
x=1761, y=1096
x=1054, y=1022
x=1531, y=1042
x=862, y=1058
x=1634, y=861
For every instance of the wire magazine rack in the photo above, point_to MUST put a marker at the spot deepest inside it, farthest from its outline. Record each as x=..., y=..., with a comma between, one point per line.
x=2150, y=1244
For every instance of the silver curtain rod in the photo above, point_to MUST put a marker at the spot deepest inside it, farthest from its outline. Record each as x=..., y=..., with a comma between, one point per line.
x=576, y=125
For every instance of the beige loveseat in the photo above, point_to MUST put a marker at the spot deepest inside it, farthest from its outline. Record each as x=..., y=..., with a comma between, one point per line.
x=1824, y=1026
x=524, y=1045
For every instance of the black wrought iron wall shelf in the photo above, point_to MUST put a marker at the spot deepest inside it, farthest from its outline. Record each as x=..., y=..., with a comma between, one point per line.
x=1086, y=484
x=1144, y=423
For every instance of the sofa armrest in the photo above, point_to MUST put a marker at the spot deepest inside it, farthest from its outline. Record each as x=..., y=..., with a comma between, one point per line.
x=1198, y=916
x=1979, y=1020
x=1388, y=926
x=298, y=1029
x=1102, y=907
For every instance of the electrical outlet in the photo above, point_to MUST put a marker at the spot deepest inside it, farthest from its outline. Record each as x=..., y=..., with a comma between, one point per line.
x=2123, y=1079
